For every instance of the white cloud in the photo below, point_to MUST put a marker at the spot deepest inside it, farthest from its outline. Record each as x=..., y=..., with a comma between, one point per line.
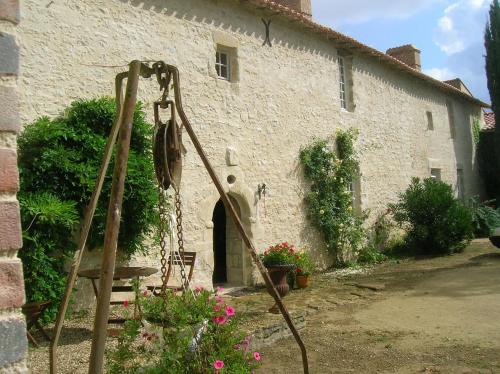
x=461, y=25
x=441, y=74
x=336, y=12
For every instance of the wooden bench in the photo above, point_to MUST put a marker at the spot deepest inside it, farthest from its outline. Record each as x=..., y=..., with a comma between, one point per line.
x=189, y=260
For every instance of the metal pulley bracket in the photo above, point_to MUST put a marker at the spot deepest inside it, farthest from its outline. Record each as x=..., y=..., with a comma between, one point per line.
x=167, y=148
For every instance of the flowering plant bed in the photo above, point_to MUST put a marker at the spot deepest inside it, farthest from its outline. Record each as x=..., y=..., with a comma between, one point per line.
x=279, y=254
x=194, y=333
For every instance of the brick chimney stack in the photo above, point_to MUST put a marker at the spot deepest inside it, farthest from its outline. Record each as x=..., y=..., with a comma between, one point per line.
x=407, y=54
x=303, y=6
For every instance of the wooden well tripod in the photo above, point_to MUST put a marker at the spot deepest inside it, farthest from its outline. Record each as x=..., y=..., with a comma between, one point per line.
x=121, y=134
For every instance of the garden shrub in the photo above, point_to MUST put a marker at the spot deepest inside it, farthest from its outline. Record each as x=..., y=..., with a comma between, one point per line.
x=330, y=171
x=48, y=223
x=484, y=218
x=487, y=161
x=436, y=222
x=59, y=160
x=192, y=333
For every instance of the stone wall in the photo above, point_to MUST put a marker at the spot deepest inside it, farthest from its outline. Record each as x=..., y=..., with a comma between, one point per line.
x=253, y=127
x=13, y=343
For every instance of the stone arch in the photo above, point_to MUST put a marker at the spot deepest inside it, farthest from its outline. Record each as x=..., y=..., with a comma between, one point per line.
x=238, y=260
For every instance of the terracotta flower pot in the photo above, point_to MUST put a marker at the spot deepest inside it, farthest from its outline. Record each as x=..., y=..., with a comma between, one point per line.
x=302, y=281
x=278, y=274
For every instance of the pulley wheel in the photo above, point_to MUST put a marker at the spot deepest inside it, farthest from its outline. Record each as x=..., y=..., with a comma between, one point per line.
x=167, y=154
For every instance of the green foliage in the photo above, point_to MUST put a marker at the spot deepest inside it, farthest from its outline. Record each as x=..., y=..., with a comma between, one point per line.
x=303, y=263
x=329, y=201
x=63, y=156
x=484, y=218
x=59, y=161
x=487, y=161
x=436, y=222
x=492, y=46
x=48, y=223
x=207, y=337
x=369, y=255
x=279, y=254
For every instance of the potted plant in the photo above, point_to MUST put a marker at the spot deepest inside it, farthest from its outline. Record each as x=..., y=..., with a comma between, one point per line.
x=279, y=260
x=304, y=268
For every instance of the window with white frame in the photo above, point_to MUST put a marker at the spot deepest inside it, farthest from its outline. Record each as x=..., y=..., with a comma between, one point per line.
x=342, y=79
x=436, y=174
x=222, y=64
x=354, y=189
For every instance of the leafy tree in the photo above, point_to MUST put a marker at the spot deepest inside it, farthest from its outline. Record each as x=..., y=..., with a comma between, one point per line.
x=492, y=45
x=59, y=160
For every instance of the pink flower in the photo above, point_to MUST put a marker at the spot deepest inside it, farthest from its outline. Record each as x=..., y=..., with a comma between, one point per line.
x=256, y=355
x=220, y=320
x=219, y=299
x=219, y=289
x=217, y=308
x=125, y=303
x=219, y=364
x=199, y=289
x=229, y=311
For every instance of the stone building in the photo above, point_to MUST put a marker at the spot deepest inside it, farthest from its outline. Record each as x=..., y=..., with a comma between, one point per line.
x=256, y=93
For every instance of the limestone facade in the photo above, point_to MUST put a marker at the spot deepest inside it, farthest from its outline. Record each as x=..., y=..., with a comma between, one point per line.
x=278, y=99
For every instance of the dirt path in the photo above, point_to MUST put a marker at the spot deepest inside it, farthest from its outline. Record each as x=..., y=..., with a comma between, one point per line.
x=437, y=315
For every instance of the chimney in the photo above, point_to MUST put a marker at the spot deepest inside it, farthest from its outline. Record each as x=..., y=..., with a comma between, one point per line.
x=407, y=54
x=302, y=6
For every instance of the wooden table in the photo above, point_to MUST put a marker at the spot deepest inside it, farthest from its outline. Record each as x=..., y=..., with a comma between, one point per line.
x=121, y=273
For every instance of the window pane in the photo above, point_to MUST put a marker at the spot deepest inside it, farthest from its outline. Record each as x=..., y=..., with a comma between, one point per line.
x=217, y=57
x=223, y=58
x=223, y=72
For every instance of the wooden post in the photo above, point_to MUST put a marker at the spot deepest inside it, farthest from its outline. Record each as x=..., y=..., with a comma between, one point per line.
x=113, y=222
x=87, y=221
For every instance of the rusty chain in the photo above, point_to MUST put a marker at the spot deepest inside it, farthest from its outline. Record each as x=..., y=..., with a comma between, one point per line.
x=163, y=77
x=163, y=232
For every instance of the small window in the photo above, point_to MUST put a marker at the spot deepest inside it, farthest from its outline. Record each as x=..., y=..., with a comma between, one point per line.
x=222, y=65
x=436, y=174
x=342, y=78
x=354, y=189
x=430, y=121
x=451, y=118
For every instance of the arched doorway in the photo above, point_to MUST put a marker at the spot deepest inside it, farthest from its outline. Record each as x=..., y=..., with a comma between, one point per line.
x=229, y=252
x=219, y=244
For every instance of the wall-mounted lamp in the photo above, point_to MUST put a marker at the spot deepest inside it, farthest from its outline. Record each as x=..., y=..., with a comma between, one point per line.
x=261, y=190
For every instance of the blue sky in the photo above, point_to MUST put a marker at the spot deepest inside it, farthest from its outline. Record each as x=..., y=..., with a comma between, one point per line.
x=448, y=32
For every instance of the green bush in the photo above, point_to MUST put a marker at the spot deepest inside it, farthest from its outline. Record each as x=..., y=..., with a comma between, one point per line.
x=62, y=157
x=484, y=218
x=59, y=161
x=436, y=222
x=48, y=223
x=487, y=161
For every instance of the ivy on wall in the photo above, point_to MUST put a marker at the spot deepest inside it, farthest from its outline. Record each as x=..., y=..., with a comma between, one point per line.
x=330, y=170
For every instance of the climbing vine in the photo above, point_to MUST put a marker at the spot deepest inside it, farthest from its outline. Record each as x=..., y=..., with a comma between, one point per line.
x=331, y=168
